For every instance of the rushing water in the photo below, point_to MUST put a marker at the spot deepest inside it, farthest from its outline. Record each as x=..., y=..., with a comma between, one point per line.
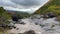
x=39, y=25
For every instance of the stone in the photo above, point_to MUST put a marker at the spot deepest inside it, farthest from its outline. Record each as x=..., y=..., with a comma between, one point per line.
x=30, y=32
x=49, y=15
x=15, y=18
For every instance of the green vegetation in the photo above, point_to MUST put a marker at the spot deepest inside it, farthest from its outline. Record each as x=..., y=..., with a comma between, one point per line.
x=4, y=19
x=4, y=16
x=51, y=5
x=53, y=9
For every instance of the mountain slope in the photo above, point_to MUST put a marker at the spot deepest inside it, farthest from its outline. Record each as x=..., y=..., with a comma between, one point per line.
x=45, y=7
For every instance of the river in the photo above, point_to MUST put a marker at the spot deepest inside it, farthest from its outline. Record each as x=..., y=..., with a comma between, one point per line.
x=39, y=25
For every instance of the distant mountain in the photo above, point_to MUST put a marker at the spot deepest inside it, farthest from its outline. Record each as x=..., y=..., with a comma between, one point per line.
x=18, y=13
x=11, y=11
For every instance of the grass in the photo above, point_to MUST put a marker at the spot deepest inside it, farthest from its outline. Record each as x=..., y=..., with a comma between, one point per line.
x=45, y=7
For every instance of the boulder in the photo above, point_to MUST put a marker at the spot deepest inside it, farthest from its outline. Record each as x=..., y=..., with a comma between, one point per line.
x=49, y=15
x=15, y=18
x=30, y=32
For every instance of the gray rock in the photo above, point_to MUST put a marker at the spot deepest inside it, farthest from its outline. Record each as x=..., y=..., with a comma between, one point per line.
x=30, y=32
x=49, y=15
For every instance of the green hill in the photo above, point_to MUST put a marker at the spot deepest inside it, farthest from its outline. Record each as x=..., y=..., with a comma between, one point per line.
x=45, y=8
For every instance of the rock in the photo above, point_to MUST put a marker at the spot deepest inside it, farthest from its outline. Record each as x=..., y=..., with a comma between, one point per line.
x=30, y=32
x=58, y=18
x=15, y=18
x=49, y=15
x=22, y=23
x=37, y=16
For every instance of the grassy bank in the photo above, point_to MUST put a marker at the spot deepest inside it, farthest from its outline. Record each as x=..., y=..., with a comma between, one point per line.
x=45, y=7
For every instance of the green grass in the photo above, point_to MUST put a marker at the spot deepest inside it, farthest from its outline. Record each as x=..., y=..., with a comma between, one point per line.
x=45, y=7
x=57, y=2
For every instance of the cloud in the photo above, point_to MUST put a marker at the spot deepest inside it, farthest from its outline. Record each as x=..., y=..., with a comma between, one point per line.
x=24, y=5
x=27, y=3
x=20, y=3
x=6, y=3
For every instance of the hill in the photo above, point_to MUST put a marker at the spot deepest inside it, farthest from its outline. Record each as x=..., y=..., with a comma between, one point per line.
x=49, y=4
x=4, y=16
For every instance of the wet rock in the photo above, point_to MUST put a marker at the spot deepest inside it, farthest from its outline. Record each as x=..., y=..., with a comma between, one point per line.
x=22, y=23
x=27, y=32
x=58, y=18
x=37, y=16
x=15, y=18
x=49, y=15
x=30, y=32
x=36, y=23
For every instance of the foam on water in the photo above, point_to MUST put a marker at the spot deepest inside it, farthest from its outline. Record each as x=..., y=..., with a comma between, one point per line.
x=44, y=26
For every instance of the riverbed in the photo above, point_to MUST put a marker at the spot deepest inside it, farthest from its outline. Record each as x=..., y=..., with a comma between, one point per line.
x=39, y=25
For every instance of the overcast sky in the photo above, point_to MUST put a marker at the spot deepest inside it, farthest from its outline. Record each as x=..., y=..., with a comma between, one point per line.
x=22, y=5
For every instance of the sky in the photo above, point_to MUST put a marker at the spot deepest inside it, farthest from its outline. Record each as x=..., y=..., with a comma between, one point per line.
x=29, y=6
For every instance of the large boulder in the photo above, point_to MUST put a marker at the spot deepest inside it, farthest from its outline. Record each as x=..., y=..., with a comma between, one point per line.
x=15, y=18
x=49, y=15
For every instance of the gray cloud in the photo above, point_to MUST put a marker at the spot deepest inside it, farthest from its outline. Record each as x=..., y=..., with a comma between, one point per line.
x=22, y=5
x=6, y=3
x=27, y=3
